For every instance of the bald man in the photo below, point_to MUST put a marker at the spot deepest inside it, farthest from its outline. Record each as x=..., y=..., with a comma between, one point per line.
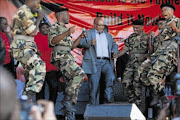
x=99, y=51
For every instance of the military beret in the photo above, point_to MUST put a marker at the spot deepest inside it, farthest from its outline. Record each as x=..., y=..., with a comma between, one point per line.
x=56, y=7
x=138, y=22
x=163, y=19
x=168, y=5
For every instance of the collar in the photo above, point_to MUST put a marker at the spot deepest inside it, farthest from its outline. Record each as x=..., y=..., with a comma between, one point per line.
x=60, y=23
x=98, y=32
x=170, y=19
x=4, y=33
x=40, y=34
x=139, y=34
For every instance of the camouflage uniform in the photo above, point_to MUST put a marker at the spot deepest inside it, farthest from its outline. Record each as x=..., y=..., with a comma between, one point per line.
x=146, y=65
x=24, y=49
x=137, y=45
x=61, y=57
x=166, y=62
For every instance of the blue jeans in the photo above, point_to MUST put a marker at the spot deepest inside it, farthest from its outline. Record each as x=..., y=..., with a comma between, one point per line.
x=103, y=67
x=19, y=88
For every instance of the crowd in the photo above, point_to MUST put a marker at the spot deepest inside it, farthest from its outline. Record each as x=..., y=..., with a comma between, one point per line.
x=46, y=56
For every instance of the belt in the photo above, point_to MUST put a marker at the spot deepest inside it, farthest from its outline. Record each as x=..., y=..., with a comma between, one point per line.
x=23, y=37
x=64, y=48
x=105, y=58
x=137, y=55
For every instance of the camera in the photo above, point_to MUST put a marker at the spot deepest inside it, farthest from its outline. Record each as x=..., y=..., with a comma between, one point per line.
x=26, y=107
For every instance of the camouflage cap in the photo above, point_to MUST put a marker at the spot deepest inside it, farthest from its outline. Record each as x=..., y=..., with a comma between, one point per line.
x=138, y=22
x=168, y=5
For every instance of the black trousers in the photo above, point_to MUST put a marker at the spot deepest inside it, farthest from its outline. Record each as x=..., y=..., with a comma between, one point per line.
x=11, y=68
x=121, y=64
x=52, y=79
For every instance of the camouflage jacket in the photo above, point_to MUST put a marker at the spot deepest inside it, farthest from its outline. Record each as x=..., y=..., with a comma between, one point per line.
x=57, y=29
x=166, y=37
x=157, y=41
x=168, y=32
x=23, y=22
x=137, y=44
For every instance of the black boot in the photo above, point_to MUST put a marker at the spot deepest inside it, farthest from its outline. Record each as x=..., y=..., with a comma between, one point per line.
x=70, y=116
x=155, y=99
x=30, y=95
x=164, y=100
x=66, y=102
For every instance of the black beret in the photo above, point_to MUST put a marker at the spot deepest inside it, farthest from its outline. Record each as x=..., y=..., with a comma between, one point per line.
x=168, y=5
x=138, y=22
x=56, y=7
x=163, y=19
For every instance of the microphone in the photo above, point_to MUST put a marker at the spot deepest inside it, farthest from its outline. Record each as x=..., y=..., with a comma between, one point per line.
x=152, y=38
x=83, y=32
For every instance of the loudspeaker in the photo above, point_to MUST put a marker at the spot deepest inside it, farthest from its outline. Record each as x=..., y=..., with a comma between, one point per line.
x=113, y=112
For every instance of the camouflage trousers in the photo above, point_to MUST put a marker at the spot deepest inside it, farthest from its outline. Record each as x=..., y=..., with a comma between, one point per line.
x=34, y=67
x=73, y=75
x=154, y=74
x=131, y=82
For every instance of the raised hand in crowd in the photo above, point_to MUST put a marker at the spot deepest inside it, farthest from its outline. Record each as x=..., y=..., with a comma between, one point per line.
x=48, y=111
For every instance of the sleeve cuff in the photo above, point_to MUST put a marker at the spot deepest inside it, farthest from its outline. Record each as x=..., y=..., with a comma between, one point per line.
x=50, y=40
x=30, y=29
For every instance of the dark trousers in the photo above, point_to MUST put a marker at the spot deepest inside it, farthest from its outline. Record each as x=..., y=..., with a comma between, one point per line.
x=11, y=68
x=53, y=82
x=121, y=64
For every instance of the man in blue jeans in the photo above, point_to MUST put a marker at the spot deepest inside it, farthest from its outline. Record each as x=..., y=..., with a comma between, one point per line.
x=99, y=51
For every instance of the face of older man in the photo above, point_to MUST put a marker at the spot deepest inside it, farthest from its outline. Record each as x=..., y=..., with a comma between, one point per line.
x=99, y=25
x=34, y=5
x=167, y=12
x=161, y=24
x=138, y=28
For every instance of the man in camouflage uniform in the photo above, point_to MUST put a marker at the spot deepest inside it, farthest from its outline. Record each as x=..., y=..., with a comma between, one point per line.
x=154, y=43
x=167, y=61
x=23, y=47
x=137, y=45
x=62, y=43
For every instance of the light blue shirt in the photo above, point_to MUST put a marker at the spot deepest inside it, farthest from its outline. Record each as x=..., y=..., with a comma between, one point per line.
x=101, y=45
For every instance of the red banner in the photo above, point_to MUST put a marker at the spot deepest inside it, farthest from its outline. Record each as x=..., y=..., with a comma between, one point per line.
x=117, y=14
